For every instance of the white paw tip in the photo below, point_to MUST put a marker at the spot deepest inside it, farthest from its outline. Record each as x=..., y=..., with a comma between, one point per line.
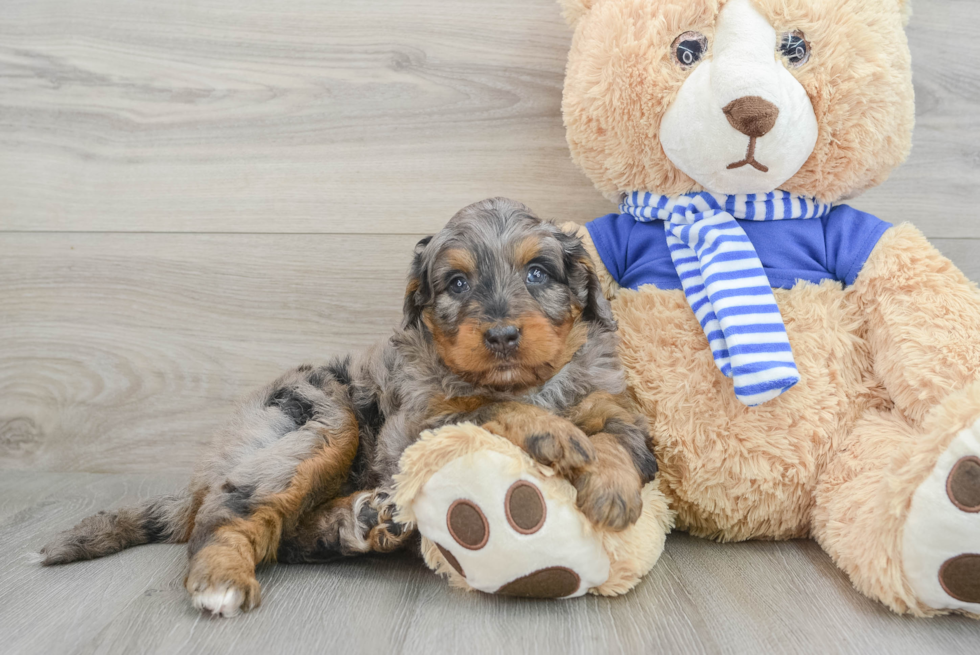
x=226, y=601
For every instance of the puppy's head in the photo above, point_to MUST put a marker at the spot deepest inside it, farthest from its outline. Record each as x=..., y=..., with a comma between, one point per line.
x=508, y=298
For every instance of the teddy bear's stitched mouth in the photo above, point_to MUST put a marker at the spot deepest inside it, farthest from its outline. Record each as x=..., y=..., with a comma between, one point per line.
x=754, y=117
x=750, y=159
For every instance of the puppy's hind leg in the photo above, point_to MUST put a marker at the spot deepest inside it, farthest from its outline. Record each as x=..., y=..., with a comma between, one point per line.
x=362, y=522
x=242, y=521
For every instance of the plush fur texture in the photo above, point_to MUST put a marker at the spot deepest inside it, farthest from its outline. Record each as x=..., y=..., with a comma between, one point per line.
x=620, y=82
x=839, y=456
x=889, y=365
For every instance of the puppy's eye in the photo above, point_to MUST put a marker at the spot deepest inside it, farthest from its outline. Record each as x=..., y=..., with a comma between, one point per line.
x=689, y=48
x=459, y=285
x=794, y=47
x=536, y=275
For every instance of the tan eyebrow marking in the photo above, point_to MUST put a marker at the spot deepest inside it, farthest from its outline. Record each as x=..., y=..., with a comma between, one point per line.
x=526, y=250
x=461, y=260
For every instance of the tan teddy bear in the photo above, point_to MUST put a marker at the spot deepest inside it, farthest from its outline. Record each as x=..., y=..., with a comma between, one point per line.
x=808, y=370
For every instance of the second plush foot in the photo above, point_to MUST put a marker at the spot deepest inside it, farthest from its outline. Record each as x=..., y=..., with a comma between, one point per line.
x=941, y=540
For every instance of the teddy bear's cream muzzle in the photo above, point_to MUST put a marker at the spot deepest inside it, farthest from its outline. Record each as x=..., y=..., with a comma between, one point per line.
x=741, y=122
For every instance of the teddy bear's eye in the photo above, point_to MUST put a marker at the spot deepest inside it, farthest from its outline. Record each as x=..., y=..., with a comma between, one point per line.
x=689, y=48
x=794, y=47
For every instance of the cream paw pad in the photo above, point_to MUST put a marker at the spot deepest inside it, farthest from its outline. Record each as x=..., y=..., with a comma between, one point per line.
x=494, y=520
x=941, y=538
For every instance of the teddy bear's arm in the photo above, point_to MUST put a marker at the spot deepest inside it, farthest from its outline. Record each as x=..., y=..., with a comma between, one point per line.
x=610, y=289
x=922, y=320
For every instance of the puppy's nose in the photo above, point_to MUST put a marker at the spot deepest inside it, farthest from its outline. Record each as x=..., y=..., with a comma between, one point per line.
x=502, y=340
x=751, y=115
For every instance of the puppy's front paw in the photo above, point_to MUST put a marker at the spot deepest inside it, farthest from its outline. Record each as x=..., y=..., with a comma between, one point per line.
x=609, y=497
x=551, y=440
x=561, y=445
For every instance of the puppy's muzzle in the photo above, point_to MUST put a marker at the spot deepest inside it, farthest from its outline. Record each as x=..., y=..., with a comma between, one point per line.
x=503, y=340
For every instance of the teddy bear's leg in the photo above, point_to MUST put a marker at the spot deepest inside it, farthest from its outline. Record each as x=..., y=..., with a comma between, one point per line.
x=941, y=535
x=854, y=518
x=898, y=507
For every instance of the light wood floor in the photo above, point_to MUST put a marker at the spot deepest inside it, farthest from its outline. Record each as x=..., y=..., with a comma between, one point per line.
x=197, y=195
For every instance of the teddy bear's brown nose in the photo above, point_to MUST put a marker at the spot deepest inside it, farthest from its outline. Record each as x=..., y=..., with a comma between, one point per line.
x=751, y=115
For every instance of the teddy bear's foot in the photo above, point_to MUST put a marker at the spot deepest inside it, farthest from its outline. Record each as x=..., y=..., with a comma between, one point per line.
x=506, y=533
x=941, y=539
x=494, y=520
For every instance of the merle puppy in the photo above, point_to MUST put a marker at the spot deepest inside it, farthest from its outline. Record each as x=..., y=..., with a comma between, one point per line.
x=505, y=326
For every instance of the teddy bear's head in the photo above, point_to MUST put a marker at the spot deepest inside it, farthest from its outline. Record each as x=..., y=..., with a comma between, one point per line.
x=738, y=96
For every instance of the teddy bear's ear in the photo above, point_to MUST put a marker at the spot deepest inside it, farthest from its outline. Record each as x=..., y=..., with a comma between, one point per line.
x=574, y=10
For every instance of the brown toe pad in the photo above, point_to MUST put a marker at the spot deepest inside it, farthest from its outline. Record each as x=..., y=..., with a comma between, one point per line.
x=960, y=577
x=552, y=582
x=468, y=524
x=525, y=508
x=963, y=484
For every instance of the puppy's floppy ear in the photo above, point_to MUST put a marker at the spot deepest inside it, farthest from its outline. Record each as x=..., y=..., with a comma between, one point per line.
x=584, y=282
x=418, y=293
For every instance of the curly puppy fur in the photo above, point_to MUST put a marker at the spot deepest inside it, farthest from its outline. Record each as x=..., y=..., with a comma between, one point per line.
x=505, y=326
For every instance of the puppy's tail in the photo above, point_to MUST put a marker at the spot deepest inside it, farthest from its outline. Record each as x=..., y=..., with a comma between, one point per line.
x=165, y=519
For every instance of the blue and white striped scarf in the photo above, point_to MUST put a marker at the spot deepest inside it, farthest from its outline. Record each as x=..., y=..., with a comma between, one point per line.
x=724, y=281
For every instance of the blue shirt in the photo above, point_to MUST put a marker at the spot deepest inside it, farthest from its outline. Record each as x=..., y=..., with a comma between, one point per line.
x=831, y=248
